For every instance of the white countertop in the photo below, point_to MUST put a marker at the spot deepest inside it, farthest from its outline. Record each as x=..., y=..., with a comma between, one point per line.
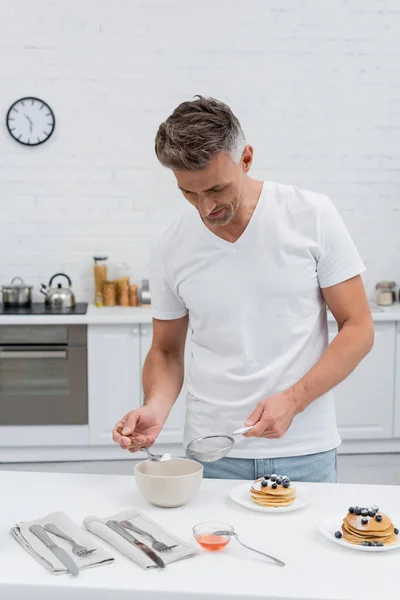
x=120, y=315
x=380, y=313
x=117, y=315
x=316, y=568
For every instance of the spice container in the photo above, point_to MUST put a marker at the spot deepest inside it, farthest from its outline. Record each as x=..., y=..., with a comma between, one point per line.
x=133, y=295
x=109, y=293
x=99, y=299
x=385, y=293
x=123, y=291
x=100, y=275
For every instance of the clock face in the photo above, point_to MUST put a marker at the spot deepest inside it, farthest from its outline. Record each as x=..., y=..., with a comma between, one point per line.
x=30, y=121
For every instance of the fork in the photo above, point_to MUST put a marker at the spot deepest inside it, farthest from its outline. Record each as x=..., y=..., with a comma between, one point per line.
x=77, y=549
x=155, y=544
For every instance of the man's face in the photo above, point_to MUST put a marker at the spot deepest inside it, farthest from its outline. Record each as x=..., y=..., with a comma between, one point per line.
x=216, y=191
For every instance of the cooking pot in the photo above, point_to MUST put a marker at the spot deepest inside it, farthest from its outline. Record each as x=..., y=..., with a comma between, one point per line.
x=17, y=295
x=62, y=297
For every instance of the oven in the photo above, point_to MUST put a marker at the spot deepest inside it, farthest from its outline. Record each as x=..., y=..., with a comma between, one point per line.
x=43, y=375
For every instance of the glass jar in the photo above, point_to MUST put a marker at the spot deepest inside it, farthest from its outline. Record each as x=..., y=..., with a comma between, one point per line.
x=120, y=273
x=123, y=291
x=385, y=293
x=100, y=276
x=133, y=295
x=120, y=270
x=109, y=293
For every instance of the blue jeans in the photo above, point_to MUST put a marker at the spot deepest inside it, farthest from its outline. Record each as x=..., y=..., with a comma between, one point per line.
x=321, y=467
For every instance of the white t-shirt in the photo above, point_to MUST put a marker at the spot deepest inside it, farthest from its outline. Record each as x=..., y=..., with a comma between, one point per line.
x=258, y=320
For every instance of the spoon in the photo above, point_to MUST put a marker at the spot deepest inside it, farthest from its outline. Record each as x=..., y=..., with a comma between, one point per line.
x=150, y=455
x=233, y=534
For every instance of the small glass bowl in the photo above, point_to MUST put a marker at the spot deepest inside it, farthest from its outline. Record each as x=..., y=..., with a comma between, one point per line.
x=206, y=538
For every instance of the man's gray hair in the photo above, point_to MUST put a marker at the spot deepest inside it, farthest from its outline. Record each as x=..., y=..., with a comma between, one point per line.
x=195, y=132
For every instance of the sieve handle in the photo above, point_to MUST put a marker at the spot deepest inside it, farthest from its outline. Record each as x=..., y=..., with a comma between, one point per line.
x=242, y=430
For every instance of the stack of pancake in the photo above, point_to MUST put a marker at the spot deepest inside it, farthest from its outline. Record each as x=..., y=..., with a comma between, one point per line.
x=269, y=493
x=368, y=530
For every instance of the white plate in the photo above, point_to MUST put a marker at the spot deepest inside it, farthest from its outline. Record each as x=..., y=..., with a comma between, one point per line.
x=334, y=523
x=241, y=495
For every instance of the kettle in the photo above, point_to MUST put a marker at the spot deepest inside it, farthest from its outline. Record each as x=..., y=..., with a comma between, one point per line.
x=62, y=297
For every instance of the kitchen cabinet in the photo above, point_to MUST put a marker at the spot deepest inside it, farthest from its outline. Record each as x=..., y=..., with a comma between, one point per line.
x=368, y=401
x=116, y=355
x=396, y=431
x=114, y=377
x=365, y=400
x=172, y=432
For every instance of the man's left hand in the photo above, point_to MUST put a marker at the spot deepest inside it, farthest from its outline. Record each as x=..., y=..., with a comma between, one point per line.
x=272, y=416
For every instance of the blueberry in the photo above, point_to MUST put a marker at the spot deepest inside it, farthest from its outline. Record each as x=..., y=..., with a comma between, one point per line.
x=371, y=513
x=286, y=484
x=396, y=531
x=378, y=544
x=365, y=544
x=279, y=480
x=364, y=512
x=378, y=518
x=372, y=544
x=267, y=477
x=273, y=477
x=351, y=510
x=375, y=508
x=264, y=483
x=364, y=521
x=338, y=534
x=357, y=510
x=274, y=486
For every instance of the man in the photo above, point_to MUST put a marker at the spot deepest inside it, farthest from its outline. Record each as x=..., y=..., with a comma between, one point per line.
x=251, y=269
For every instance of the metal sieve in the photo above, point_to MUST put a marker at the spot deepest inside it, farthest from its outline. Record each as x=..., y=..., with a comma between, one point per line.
x=213, y=447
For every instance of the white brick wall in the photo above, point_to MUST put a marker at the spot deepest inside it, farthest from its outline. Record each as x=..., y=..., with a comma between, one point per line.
x=315, y=83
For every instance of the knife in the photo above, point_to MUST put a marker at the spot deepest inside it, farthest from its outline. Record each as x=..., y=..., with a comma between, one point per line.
x=135, y=542
x=61, y=554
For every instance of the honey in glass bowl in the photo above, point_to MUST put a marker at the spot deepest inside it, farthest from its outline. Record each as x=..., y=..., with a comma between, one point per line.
x=212, y=542
x=206, y=538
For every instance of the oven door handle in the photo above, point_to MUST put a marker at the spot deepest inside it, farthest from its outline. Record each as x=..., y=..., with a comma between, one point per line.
x=34, y=354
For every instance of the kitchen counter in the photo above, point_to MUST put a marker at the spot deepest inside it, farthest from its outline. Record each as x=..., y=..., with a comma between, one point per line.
x=120, y=315
x=112, y=315
x=380, y=313
x=316, y=568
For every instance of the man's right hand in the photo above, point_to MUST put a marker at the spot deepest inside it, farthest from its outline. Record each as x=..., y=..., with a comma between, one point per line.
x=143, y=424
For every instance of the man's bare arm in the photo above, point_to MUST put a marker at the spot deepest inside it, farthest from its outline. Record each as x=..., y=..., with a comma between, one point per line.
x=163, y=370
x=349, y=305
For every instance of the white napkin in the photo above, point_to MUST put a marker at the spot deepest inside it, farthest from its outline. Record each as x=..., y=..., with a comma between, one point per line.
x=98, y=526
x=46, y=557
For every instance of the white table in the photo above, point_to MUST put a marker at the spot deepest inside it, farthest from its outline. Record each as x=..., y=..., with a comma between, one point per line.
x=316, y=568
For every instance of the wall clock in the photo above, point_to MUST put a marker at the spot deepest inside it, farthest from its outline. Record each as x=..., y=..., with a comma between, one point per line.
x=30, y=121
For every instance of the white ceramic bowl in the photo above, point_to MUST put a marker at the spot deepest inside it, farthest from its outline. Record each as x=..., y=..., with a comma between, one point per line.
x=170, y=483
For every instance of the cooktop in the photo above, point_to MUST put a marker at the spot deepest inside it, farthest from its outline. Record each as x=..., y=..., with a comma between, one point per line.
x=40, y=308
